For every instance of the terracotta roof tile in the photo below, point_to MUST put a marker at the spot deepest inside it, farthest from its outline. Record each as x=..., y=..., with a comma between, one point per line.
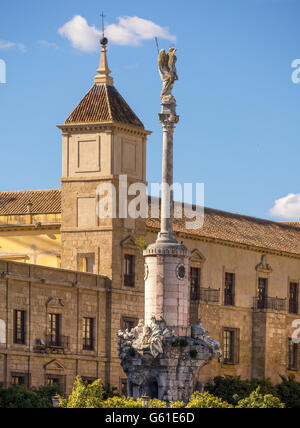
x=221, y=225
x=104, y=104
x=242, y=229
x=43, y=202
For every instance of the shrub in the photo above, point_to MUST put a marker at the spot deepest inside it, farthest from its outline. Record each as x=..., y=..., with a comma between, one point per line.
x=177, y=405
x=157, y=404
x=256, y=400
x=207, y=401
x=230, y=389
x=20, y=397
x=84, y=396
x=121, y=403
x=233, y=389
x=289, y=392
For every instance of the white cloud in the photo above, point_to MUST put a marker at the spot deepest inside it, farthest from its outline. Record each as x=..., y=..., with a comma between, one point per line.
x=129, y=31
x=48, y=44
x=287, y=207
x=132, y=30
x=80, y=34
x=5, y=45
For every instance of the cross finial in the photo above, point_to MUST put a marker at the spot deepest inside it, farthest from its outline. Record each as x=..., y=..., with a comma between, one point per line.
x=103, y=27
x=103, y=76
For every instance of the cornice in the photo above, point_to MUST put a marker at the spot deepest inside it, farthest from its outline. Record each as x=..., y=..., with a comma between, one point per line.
x=30, y=227
x=102, y=127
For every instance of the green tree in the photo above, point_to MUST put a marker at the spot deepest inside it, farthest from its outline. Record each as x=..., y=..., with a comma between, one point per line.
x=289, y=392
x=84, y=396
x=121, y=403
x=207, y=401
x=256, y=400
x=233, y=389
x=20, y=397
x=228, y=388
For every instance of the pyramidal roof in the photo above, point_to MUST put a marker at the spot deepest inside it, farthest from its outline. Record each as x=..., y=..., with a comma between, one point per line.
x=103, y=103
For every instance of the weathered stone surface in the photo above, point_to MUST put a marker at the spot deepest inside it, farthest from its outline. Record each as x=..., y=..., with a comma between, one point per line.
x=160, y=364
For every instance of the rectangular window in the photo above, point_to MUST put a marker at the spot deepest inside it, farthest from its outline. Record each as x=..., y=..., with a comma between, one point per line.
x=293, y=355
x=195, y=283
x=129, y=323
x=229, y=289
x=88, y=334
x=54, y=325
x=293, y=299
x=231, y=345
x=19, y=327
x=262, y=293
x=87, y=263
x=129, y=271
x=57, y=380
x=20, y=379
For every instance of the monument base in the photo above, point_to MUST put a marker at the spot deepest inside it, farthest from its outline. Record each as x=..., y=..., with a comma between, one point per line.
x=160, y=364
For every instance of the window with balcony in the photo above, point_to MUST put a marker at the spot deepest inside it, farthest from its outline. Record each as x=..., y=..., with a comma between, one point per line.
x=88, y=334
x=293, y=298
x=54, y=327
x=195, y=283
x=229, y=289
x=231, y=345
x=262, y=293
x=129, y=270
x=19, y=327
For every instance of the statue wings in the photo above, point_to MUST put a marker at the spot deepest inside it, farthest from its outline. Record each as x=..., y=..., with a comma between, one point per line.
x=167, y=69
x=166, y=61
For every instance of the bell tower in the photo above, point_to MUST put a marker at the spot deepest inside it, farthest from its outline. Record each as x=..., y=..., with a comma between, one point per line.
x=102, y=140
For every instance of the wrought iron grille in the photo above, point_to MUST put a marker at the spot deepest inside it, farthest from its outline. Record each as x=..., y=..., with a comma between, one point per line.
x=271, y=303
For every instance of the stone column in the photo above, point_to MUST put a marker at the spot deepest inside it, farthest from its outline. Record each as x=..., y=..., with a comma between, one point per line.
x=167, y=285
x=168, y=119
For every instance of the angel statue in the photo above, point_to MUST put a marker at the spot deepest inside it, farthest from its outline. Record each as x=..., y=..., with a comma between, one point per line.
x=167, y=70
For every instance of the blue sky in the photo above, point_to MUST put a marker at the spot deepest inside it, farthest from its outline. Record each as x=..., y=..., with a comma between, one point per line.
x=239, y=128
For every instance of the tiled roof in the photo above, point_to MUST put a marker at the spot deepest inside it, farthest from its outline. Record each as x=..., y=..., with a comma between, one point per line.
x=242, y=229
x=292, y=223
x=220, y=225
x=43, y=202
x=104, y=104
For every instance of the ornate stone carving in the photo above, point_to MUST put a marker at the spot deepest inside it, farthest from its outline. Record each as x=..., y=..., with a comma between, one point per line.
x=168, y=73
x=263, y=266
x=161, y=364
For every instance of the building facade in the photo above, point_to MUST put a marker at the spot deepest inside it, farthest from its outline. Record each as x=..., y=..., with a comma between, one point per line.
x=69, y=280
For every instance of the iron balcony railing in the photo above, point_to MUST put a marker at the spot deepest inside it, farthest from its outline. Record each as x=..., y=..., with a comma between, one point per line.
x=209, y=295
x=270, y=303
x=53, y=341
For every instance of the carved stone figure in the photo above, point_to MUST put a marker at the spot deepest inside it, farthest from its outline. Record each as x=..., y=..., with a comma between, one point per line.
x=162, y=365
x=168, y=72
